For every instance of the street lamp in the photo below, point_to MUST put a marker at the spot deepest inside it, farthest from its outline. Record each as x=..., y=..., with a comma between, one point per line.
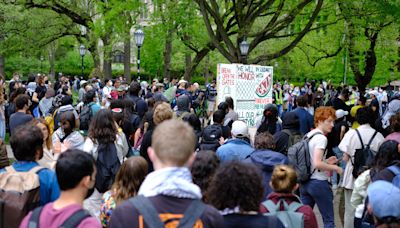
x=82, y=52
x=139, y=37
x=244, y=49
x=41, y=63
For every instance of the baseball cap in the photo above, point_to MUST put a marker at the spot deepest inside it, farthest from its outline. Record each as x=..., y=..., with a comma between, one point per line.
x=374, y=92
x=82, y=82
x=384, y=198
x=340, y=113
x=240, y=129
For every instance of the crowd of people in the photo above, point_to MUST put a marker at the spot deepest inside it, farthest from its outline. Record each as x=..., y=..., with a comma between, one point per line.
x=166, y=154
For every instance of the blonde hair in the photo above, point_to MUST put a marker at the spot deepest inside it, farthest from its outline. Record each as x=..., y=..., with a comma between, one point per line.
x=283, y=179
x=37, y=121
x=173, y=142
x=162, y=112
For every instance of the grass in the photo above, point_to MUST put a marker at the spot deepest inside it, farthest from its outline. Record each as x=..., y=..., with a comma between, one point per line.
x=7, y=139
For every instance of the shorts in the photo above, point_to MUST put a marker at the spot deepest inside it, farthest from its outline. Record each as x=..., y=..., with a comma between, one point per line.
x=210, y=106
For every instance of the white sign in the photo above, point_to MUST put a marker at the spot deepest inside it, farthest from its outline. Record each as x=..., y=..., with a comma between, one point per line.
x=250, y=87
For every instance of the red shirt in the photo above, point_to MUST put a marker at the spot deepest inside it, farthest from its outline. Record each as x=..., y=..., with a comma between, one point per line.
x=310, y=221
x=54, y=218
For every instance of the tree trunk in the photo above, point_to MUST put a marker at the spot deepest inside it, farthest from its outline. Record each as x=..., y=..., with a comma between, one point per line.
x=188, y=67
x=52, y=58
x=107, y=67
x=206, y=69
x=2, y=66
x=127, y=58
x=168, y=54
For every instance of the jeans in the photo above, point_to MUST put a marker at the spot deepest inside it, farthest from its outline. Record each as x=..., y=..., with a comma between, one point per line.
x=319, y=192
x=339, y=155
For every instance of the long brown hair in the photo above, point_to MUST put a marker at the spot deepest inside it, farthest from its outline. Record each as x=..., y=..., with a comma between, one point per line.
x=102, y=128
x=129, y=178
x=35, y=122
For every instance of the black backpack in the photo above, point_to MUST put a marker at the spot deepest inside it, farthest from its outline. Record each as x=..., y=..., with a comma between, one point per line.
x=210, y=137
x=85, y=116
x=152, y=219
x=293, y=138
x=363, y=157
x=107, y=166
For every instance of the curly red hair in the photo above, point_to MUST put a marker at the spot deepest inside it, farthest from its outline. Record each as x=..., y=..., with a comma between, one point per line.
x=323, y=113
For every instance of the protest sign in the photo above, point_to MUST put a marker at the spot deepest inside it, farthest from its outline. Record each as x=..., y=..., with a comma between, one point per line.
x=250, y=87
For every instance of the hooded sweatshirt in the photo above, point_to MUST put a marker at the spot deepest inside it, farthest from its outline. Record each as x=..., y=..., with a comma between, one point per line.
x=266, y=161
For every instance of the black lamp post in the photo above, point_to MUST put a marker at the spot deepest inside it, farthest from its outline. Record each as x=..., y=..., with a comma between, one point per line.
x=139, y=37
x=82, y=52
x=244, y=49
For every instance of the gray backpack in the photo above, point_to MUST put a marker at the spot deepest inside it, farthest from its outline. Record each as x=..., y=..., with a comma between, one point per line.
x=288, y=216
x=299, y=157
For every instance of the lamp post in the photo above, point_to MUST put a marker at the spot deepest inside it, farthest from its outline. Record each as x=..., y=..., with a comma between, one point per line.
x=139, y=37
x=244, y=49
x=41, y=63
x=82, y=52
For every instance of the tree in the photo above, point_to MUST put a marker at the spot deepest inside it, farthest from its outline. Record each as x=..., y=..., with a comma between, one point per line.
x=364, y=22
x=237, y=20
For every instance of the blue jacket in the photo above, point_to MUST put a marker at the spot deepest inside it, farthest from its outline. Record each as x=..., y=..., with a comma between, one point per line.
x=306, y=120
x=266, y=161
x=234, y=149
x=49, y=189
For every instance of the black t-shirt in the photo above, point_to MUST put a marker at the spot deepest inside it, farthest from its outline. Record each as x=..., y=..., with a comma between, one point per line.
x=40, y=91
x=254, y=221
x=338, y=103
x=146, y=143
x=334, y=135
x=281, y=142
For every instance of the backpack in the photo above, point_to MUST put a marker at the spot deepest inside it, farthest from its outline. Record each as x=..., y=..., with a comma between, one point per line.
x=107, y=166
x=134, y=120
x=85, y=116
x=288, y=216
x=183, y=115
x=293, y=139
x=20, y=192
x=71, y=222
x=362, y=157
x=4, y=161
x=299, y=157
x=210, y=137
x=396, y=179
x=152, y=218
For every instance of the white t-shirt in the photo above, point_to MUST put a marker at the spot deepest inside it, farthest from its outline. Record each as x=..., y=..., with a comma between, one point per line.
x=319, y=141
x=106, y=91
x=351, y=142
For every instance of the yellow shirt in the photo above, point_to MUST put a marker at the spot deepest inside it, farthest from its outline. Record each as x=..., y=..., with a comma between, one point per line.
x=353, y=113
